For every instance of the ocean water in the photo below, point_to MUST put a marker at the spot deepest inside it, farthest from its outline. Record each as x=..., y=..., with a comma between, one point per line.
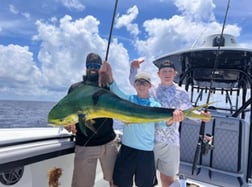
x=20, y=114
x=23, y=114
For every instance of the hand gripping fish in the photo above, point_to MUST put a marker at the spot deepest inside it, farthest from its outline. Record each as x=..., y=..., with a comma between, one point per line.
x=93, y=102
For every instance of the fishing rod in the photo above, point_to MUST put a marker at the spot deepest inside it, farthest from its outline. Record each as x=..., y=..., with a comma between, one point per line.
x=106, y=58
x=111, y=30
x=204, y=143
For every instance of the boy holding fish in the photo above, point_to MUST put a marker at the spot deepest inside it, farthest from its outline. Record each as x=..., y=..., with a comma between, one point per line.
x=135, y=159
x=169, y=95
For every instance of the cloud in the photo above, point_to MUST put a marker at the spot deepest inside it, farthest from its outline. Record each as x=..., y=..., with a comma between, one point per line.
x=63, y=43
x=196, y=10
x=13, y=9
x=126, y=20
x=163, y=36
x=167, y=35
x=26, y=15
x=63, y=49
x=73, y=4
x=18, y=74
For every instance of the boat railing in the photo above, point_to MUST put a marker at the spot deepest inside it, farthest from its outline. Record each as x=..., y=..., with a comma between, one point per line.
x=21, y=141
x=25, y=151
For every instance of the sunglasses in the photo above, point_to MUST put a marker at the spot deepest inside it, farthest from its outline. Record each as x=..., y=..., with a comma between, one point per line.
x=93, y=66
x=142, y=82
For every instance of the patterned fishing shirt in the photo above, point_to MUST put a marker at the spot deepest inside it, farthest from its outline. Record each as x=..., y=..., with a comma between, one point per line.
x=170, y=97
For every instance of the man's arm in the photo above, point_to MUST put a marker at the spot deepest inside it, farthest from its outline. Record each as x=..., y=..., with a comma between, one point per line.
x=106, y=71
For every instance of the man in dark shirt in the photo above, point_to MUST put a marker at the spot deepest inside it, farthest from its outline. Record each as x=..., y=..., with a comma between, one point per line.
x=91, y=145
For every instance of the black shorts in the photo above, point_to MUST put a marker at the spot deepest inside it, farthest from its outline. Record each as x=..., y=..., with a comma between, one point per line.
x=133, y=163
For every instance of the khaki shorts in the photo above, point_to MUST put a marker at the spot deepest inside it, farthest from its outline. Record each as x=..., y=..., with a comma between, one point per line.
x=85, y=163
x=167, y=158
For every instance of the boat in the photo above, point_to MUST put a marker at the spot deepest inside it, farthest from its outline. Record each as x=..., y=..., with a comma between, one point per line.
x=219, y=72
x=218, y=69
x=29, y=155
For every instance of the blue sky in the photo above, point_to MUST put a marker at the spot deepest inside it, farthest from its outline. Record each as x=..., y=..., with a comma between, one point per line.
x=43, y=44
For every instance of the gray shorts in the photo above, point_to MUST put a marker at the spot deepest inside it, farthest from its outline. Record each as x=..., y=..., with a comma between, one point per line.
x=167, y=158
x=85, y=163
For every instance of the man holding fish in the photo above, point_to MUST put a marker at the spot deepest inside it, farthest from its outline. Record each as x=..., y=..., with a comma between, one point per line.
x=96, y=143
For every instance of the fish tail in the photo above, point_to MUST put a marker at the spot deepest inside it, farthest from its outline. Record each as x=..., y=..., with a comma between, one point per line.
x=192, y=112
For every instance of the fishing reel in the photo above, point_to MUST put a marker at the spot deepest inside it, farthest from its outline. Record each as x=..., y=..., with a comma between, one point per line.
x=207, y=144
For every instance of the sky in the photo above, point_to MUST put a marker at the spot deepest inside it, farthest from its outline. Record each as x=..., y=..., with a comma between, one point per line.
x=44, y=44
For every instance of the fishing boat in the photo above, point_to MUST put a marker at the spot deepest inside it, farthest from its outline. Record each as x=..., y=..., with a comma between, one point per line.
x=30, y=157
x=27, y=155
x=220, y=72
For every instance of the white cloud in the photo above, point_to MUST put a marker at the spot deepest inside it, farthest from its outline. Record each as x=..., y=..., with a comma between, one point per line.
x=65, y=42
x=126, y=20
x=18, y=72
x=196, y=10
x=64, y=46
x=73, y=4
x=13, y=9
x=26, y=15
x=64, y=49
x=163, y=36
x=167, y=35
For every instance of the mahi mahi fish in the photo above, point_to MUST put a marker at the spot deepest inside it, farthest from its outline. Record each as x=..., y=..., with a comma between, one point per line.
x=94, y=102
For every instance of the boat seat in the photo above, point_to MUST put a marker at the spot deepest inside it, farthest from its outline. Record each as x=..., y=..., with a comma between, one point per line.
x=228, y=159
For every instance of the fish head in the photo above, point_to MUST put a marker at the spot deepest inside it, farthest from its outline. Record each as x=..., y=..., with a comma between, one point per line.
x=63, y=121
x=62, y=115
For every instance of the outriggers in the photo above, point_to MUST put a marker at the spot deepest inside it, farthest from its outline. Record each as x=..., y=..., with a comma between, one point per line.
x=229, y=163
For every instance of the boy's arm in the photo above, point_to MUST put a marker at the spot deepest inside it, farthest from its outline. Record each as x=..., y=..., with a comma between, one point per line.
x=116, y=90
x=134, y=66
x=133, y=72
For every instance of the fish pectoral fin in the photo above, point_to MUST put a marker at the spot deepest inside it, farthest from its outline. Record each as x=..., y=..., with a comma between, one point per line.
x=82, y=123
x=89, y=124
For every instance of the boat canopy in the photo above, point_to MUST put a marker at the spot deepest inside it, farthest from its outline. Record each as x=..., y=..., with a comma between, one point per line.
x=230, y=68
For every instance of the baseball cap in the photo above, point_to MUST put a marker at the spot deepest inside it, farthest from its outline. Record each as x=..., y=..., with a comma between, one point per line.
x=93, y=58
x=143, y=76
x=166, y=64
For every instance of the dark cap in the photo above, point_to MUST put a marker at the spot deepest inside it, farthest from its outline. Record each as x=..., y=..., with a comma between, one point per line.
x=93, y=58
x=166, y=64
